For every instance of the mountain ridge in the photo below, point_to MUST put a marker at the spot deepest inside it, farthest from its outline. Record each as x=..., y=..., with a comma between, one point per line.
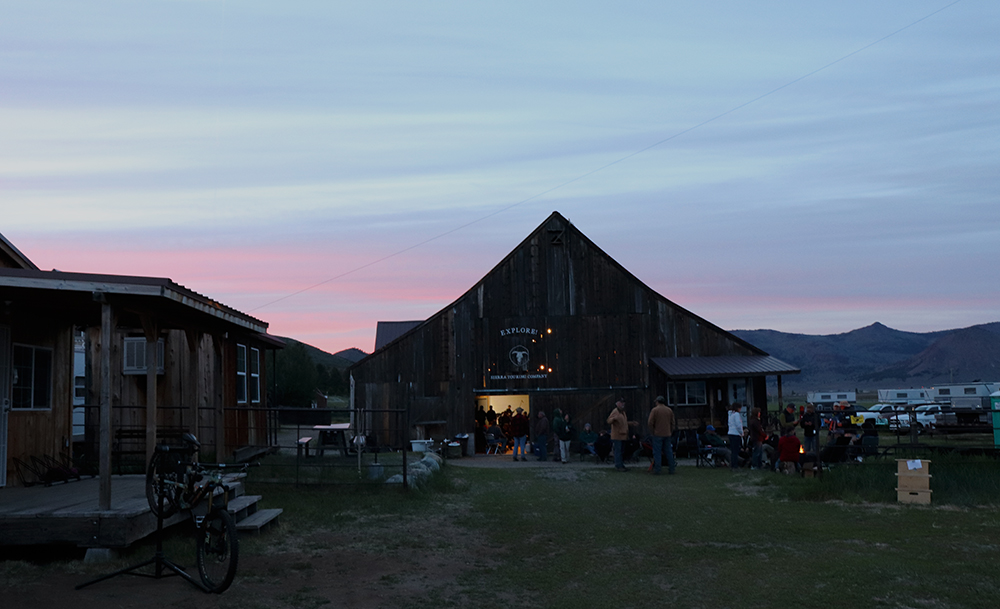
x=877, y=356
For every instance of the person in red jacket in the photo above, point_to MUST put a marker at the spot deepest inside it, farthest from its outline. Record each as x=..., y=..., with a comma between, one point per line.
x=788, y=451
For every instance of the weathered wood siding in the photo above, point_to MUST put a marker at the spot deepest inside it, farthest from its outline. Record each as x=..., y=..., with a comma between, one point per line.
x=43, y=432
x=593, y=324
x=196, y=386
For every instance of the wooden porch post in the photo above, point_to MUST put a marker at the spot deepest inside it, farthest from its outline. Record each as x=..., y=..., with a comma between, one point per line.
x=781, y=405
x=152, y=364
x=104, y=463
x=193, y=391
x=219, y=397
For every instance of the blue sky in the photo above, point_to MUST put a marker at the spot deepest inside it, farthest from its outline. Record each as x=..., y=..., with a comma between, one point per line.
x=251, y=150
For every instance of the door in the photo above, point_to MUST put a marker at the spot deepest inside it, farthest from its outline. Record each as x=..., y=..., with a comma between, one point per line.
x=4, y=399
x=738, y=394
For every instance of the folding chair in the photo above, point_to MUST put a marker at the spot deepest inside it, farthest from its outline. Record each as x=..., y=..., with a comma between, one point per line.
x=494, y=445
x=702, y=455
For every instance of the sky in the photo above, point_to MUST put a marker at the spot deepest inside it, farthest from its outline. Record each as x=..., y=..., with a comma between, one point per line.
x=809, y=167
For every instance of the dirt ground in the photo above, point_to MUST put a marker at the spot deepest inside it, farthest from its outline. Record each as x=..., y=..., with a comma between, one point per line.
x=387, y=562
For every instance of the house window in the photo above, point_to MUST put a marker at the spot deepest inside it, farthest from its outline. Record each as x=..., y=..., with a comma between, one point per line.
x=32, y=387
x=241, y=374
x=689, y=393
x=255, y=376
x=134, y=361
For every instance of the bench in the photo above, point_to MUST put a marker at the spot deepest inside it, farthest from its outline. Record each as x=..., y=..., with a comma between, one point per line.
x=303, y=446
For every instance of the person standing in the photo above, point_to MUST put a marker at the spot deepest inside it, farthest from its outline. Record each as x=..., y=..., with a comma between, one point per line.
x=542, y=436
x=661, y=424
x=565, y=436
x=755, y=429
x=619, y=433
x=519, y=432
x=788, y=419
x=735, y=436
x=809, y=422
x=558, y=425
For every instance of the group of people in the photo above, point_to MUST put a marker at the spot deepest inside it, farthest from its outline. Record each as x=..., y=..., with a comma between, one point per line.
x=755, y=444
x=785, y=452
x=780, y=448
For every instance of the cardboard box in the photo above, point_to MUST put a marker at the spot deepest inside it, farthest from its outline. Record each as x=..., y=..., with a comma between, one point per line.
x=903, y=466
x=913, y=496
x=913, y=477
x=914, y=482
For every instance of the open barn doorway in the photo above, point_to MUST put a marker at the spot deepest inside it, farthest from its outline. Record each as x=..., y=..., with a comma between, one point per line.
x=498, y=409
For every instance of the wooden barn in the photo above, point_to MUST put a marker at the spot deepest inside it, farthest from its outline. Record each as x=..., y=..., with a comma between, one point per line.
x=79, y=383
x=559, y=324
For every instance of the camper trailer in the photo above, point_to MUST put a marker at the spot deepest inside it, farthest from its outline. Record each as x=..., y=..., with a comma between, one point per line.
x=964, y=395
x=904, y=396
x=827, y=399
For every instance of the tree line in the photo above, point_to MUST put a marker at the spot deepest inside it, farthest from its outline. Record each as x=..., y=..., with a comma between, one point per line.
x=298, y=376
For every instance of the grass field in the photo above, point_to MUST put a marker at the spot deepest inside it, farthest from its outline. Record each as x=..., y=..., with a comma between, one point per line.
x=574, y=537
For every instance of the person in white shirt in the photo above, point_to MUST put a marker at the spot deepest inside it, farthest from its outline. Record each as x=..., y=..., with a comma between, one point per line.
x=735, y=435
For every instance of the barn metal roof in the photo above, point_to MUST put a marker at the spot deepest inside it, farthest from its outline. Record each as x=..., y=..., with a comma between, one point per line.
x=388, y=331
x=722, y=366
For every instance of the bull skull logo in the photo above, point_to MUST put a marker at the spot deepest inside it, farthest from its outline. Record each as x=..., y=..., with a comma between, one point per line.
x=519, y=357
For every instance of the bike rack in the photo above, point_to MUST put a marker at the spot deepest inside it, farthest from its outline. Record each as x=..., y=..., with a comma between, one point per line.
x=160, y=561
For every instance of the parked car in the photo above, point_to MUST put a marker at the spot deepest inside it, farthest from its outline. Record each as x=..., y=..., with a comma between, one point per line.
x=881, y=413
x=925, y=416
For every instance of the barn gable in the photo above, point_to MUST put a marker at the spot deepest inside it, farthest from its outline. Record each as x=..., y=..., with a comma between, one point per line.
x=557, y=320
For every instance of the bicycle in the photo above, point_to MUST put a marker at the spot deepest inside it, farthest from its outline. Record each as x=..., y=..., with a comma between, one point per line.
x=176, y=481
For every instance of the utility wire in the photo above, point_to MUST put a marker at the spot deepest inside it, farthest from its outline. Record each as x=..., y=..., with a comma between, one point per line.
x=612, y=163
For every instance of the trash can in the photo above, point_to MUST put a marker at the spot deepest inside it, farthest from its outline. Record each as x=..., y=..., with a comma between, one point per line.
x=463, y=440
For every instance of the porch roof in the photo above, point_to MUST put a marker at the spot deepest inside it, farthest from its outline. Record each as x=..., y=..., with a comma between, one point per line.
x=76, y=292
x=722, y=366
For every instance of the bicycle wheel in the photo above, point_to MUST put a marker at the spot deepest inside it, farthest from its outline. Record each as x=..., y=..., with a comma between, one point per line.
x=218, y=550
x=160, y=467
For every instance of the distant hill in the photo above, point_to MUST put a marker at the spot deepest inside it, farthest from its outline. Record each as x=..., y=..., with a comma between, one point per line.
x=352, y=355
x=877, y=356
x=340, y=360
x=963, y=355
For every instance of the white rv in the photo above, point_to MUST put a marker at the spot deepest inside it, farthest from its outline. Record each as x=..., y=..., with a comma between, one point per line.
x=964, y=395
x=904, y=396
x=825, y=399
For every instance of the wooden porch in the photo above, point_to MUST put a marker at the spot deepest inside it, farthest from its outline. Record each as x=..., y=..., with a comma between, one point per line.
x=70, y=514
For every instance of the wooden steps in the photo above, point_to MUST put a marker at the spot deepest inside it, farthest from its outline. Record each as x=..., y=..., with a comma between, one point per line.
x=258, y=520
x=244, y=509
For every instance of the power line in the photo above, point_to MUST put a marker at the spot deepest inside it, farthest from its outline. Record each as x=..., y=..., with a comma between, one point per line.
x=612, y=163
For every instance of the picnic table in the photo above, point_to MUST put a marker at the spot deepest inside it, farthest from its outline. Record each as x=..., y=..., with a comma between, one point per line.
x=332, y=435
